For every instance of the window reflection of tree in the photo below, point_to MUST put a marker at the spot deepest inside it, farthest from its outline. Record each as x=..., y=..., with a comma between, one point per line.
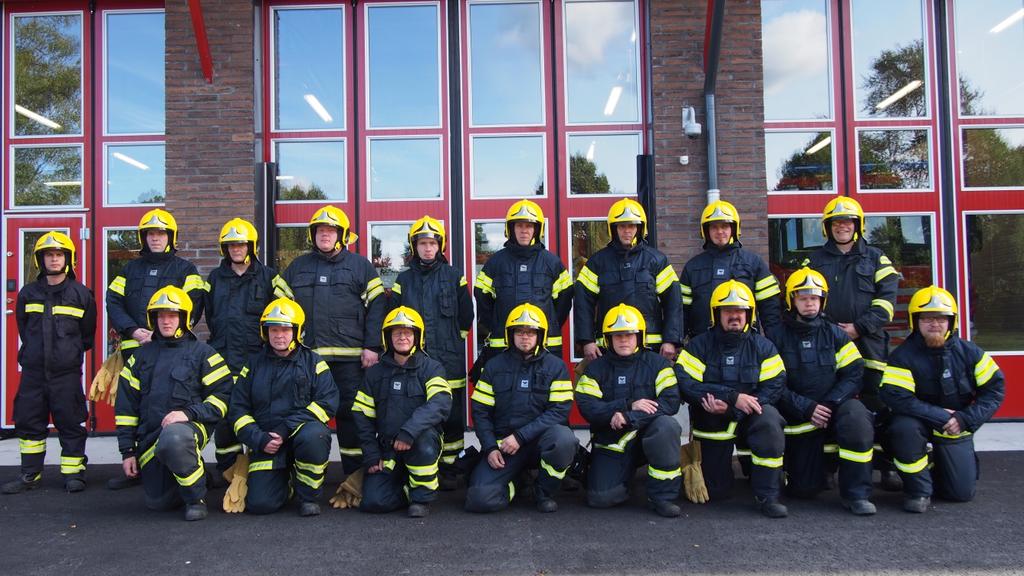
x=292, y=242
x=894, y=159
x=122, y=247
x=33, y=167
x=803, y=171
x=996, y=260
x=588, y=236
x=47, y=73
x=584, y=177
x=301, y=192
x=990, y=161
x=30, y=269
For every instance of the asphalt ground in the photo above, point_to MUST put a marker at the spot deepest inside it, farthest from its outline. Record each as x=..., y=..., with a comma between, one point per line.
x=47, y=531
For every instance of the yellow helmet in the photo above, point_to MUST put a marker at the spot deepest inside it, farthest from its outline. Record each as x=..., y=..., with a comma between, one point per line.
x=624, y=319
x=283, y=312
x=627, y=211
x=158, y=219
x=427, y=227
x=733, y=294
x=238, y=231
x=55, y=241
x=806, y=281
x=842, y=207
x=174, y=299
x=720, y=211
x=331, y=216
x=527, y=315
x=404, y=317
x=936, y=300
x=525, y=211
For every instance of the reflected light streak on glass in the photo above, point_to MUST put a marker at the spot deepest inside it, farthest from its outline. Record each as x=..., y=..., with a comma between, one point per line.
x=130, y=161
x=37, y=117
x=819, y=145
x=613, y=100
x=318, y=108
x=57, y=183
x=1009, y=21
x=286, y=177
x=899, y=94
x=590, y=150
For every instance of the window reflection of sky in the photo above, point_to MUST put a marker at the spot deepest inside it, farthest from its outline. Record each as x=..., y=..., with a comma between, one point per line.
x=614, y=156
x=131, y=184
x=405, y=168
x=600, y=50
x=796, y=65
x=508, y=166
x=309, y=60
x=135, y=73
x=505, y=63
x=879, y=26
x=389, y=245
x=308, y=164
x=990, y=62
x=404, y=77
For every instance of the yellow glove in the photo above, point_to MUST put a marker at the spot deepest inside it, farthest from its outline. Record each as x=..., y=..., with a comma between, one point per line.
x=350, y=492
x=693, y=477
x=104, y=384
x=238, y=476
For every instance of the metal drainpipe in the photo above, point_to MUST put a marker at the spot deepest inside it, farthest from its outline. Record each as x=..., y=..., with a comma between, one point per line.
x=710, y=80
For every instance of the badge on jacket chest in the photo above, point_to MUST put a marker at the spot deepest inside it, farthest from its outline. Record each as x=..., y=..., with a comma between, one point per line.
x=524, y=268
x=806, y=344
x=396, y=386
x=730, y=360
x=153, y=272
x=622, y=380
x=719, y=272
x=323, y=279
x=524, y=384
x=946, y=373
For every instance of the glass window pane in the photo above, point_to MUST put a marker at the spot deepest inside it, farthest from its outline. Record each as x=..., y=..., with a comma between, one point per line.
x=29, y=267
x=798, y=160
x=989, y=43
x=894, y=160
x=48, y=176
x=603, y=163
x=405, y=168
x=309, y=69
x=135, y=174
x=588, y=236
x=993, y=157
x=995, y=257
x=795, y=41
x=47, y=75
x=505, y=64
x=488, y=238
x=311, y=170
x=122, y=246
x=292, y=242
x=508, y=166
x=389, y=250
x=601, y=62
x=135, y=73
x=403, y=66
x=889, y=59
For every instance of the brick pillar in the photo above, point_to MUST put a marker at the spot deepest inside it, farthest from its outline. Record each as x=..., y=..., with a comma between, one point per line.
x=677, y=37
x=210, y=127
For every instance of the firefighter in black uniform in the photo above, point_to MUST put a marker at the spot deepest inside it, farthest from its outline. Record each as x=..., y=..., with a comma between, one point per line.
x=823, y=375
x=523, y=271
x=432, y=286
x=399, y=410
x=941, y=390
x=56, y=318
x=170, y=395
x=237, y=292
x=521, y=413
x=280, y=406
x=724, y=259
x=732, y=376
x=863, y=286
x=629, y=271
x=341, y=294
x=629, y=395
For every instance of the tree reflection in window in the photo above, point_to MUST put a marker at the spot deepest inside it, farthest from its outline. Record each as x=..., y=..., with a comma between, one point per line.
x=993, y=157
x=894, y=160
x=995, y=245
x=47, y=75
x=48, y=176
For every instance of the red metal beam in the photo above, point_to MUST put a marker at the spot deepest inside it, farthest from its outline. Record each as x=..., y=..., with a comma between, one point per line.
x=202, y=43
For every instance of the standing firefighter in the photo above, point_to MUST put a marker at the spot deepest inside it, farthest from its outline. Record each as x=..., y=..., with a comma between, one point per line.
x=523, y=271
x=399, y=410
x=863, y=285
x=732, y=376
x=823, y=375
x=439, y=291
x=170, y=396
x=340, y=292
x=56, y=323
x=237, y=292
x=521, y=412
x=280, y=406
x=724, y=259
x=629, y=395
x=941, y=390
x=629, y=271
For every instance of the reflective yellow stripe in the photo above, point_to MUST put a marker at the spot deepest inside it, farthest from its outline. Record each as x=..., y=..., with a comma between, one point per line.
x=881, y=273
x=652, y=339
x=317, y=411
x=767, y=293
x=321, y=367
x=771, y=367
x=619, y=446
x=561, y=391
x=31, y=446
x=831, y=448
x=350, y=451
x=147, y=456
x=799, y=429
x=911, y=467
x=426, y=470
x=553, y=341
x=552, y=471
x=464, y=333
x=563, y=282
x=692, y=365
x=437, y=385
x=233, y=449
x=128, y=344
x=335, y=351
x=431, y=484
x=244, y=371
x=216, y=375
x=589, y=386
x=560, y=397
x=69, y=311
x=121, y=420
x=126, y=373
x=874, y=364
x=666, y=378
x=687, y=294
x=665, y=279
x=884, y=304
x=214, y=359
x=372, y=294
x=485, y=284
x=314, y=483
x=765, y=462
x=985, y=369
x=368, y=411
x=35, y=307
x=281, y=288
x=456, y=384
x=72, y=464
x=117, y=285
x=589, y=280
x=847, y=355
x=311, y=467
x=454, y=445
x=901, y=377
x=193, y=282
x=483, y=394
x=389, y=464
x=261, y=465
x=940, y=434
x=218, y=403
x=663, y=474
x=728, y=434
x=766, y=282
x=496, y=342
x=243, y=421
x=862, y=457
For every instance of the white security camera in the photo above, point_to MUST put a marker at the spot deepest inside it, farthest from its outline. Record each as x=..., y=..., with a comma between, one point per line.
x=691, y=127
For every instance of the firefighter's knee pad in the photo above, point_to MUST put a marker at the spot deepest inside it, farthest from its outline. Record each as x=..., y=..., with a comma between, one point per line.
x=854, y=426
x=177, y=445
x=558, y=446
x=766, y=435
x=487, y=497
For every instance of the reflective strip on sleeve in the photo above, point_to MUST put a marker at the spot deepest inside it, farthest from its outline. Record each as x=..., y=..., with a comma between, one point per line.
x=353, y=452
x=798, y=429
x=126, y=373
x=31, y=446
x=665, y=279
x=728, y=434
x=874, y=364
x=437, y=385
x=364, y=403
x=563, y=282
x=35, y=307
x=281, y=288
x=881, y=273
x=69, y=311
x=771, y=367
x=117, y=285
x=319, y=412
x=329, y=352
x=666, y=378
x=687, y=294
x=765, y=462
x=552, y=341
x=124, y=420
x=216, y=375
x=852, y=456
x=72, y=464
x=128, y=344
x=941, y=434
x=985, y=369
x=232, y=449
x=457, y=384
x=901, y=377
x=396, y=288
x=496, y=342
x=462, y=281
x=374, y=288
x=692, y=365
x=207, y=287
x=193, y=282
x=589, y=386
x=214, y=359
x=911, y=467
x=218, y=403
x=244, y=371
x=766, y=288
x=588, y=279
x=485, y=284
x=552, y=471
x=561, y=391
x=885, y=305
x=847, y=355
x=483, y=393
x=261, y=465
x=619, y=446
x=321, y=367
x=663, y=474
x=652, y=339
x=243, y=421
